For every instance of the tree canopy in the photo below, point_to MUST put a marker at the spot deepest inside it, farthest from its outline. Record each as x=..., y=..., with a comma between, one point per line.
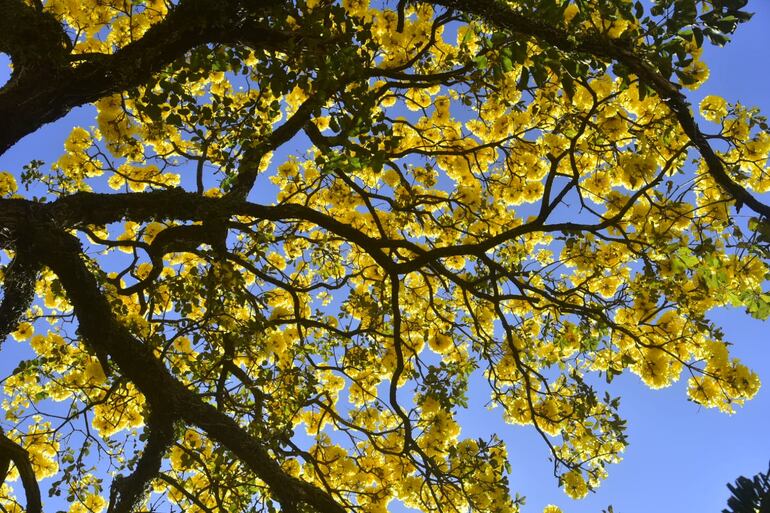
x=750, y=495
x=296, y=231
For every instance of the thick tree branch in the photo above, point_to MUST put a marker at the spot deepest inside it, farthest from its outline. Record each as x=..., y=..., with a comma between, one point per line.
x=31, y=37
x=50, y=88
x=128, y=492
x=100, y=209
x=136, y=361
x=177, y=239
x=10, y=450
x=19, y=291
x=247, y=172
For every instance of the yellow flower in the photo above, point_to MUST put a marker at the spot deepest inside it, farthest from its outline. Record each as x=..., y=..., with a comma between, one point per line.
x=276, y=261
x=699, y=72
x=183, y=345
x=455, y=263
x=569, y=13
x=417, y=99
x=440, y=342
x=8, y=184
x=94, y=372
x=552, y=509
x=23, y=332
x=616, y=28
x=78, y=140
x=92, y=504
x=574, y=484
x=713, y=108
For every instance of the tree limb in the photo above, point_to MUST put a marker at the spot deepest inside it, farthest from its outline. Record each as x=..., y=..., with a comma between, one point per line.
x=31, y=37
x=128, y=492
x=19, y=285
x=51, y=87
x=136, y=361
x=14, y=452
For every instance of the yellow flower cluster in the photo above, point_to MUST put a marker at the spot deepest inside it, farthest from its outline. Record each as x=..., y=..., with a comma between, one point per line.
x=713, y=108
x=125, y=21
x=139, y=178
x=121, y=409
x=8, y=184
x=91, y=503
x=725, y=382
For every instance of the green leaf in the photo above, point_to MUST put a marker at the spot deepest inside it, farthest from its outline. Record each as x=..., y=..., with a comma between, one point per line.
x=507, y=64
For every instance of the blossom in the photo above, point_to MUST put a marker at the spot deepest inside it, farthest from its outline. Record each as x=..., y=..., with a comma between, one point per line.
x=8, y=184
x=713, y=108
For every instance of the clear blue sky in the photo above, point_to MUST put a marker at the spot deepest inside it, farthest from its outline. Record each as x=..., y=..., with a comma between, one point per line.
x=680, y=455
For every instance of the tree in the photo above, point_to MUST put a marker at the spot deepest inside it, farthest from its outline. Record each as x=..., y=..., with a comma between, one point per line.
x=517, y=190
x=750, y=495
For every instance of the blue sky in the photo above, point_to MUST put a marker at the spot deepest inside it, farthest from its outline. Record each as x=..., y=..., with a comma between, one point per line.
x=680, y=455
